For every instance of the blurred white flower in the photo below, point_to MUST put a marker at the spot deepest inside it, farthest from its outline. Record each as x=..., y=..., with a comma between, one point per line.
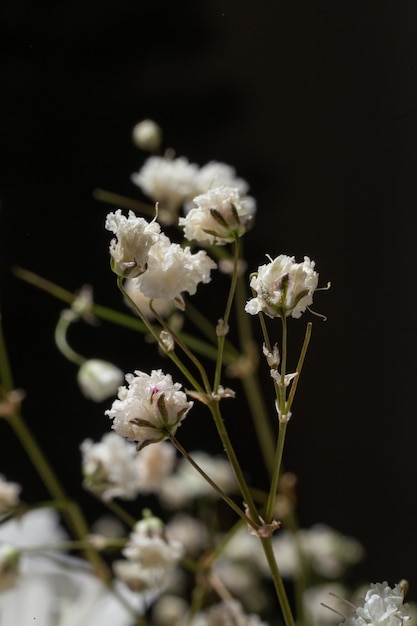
x=173, y=270
x=382, y=606
x=154, y=464
x=283, y=287
x=9, y=495
x=150, y=407
x=215, y=174
x=149, y=545
x=328, y=551
x=147, y=135
x=317, y=601
x=228, y=613
x=186, y=483
x=99, y=380
x=168, y=181
x=161, y=306
x=169, y=610
x=134, y=238
x=220, y=215
x=189, y=531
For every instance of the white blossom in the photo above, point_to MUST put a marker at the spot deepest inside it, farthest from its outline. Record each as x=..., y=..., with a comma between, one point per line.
x=283, y=287
x=9, y=495
x=150, y=407
x=147, y=135
x=328, y=551
x=220, y=215
x=382, y=606
x=173, y=270
x=154, y=464
x=149, y=545
x=99, y=380
x=189, y=531
x=134, y=238
x=168, y=181
x=163, y=307
x=169, y=610
x=215, y=174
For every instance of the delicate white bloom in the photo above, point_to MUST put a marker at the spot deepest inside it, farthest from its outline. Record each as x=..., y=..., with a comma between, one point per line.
x=99, y=380
x=173, y=270
x=328, y=551
x=149, y=545
x=170, y=182
x=147, y=135
x=110, y=467
x=154, y=464
x=316, y=601
x=382, y=606
x=169, y=610
x=220, y=216
x=134, y=238
x=227, y=613
x=139, y=578
x=186, y=483
x=161, y=306
x=216, y=174
x=9, y=495
x=283, y=287
x=189, y=531
x=149, y=408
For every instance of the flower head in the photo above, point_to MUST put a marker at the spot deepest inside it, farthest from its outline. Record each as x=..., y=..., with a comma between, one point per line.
x=149, y=408
x=283, y=287
x=147, y=135
x=382, y=606
x=173, y=270
x=99, y=379
x=134, y=238
x=149, y=545
x=219, y=217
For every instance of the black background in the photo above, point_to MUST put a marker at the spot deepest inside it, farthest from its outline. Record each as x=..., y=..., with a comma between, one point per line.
x=315, y=104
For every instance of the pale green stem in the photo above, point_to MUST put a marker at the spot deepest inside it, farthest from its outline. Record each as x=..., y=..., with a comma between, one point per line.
x=155, y=335
x=184, y=348
x=211, y=482
x=61, y=329
x=115, y=508
x=221, y=339
x=71, y=511
x=67, y=546
x=230, y=452
x=277, y=580
x=123, y=201
x=299, y=366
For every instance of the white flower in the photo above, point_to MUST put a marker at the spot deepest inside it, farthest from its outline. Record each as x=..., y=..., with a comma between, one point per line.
x=169, y=610
x=147, y=135
x=149, y=408
x=220, y=215
x=99, y=380
x=163, y=307
x=189, y=531
x=9, y=495
x=173, y=270
x=170, y=182
x=215, y=174
x=154, y=464
x=283, y=287
x=382, y=606
x=317, y=599
x=149, y=545
x=328, y=551
x=110, y=468
x=134, y=238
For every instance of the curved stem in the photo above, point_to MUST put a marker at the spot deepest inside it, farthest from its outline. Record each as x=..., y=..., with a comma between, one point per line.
x=61, y=329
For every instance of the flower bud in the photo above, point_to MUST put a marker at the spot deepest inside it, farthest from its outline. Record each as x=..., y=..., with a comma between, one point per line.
x=99, y=379
x=147, y=135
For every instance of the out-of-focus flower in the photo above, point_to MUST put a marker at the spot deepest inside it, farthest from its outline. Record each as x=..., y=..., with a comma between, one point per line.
x=382, y=606
x=283, y=287
x=161, y=306
x=154, y=464
x=147, y=135
x=149, y=408
x=169, y=610
x=226, y=613
x=188, y=531
x=186, y=483
x=168, y=181
x=110, y=468
x=99, y=380
x=173, y=270
x=219, y=217
x=215, y=174
x=149, y=545
x=328, y=551
x=9, y=495
x=318, y=599
x=134, y=238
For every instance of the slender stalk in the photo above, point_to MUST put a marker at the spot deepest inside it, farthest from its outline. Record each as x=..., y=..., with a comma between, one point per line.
x=276, y=473
x=277, y=580
x=211, y=482
x=61, y=341
x=299, y=366
x=123, y=201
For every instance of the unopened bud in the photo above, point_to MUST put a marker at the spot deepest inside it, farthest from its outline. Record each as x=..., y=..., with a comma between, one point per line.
x=147, y=135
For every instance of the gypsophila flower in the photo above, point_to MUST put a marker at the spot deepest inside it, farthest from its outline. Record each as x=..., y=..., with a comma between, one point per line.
x=154, y=464
x=147, y=135
x=134, y=238
x=168, y=181
x=283, y=287
x=169, y=610
x=99, y=380
x=173, y=270
x=219, y=217
x=9, y=495
x=149, y=545
x=328, y=551
x=189, y=531
x=162, y=307
x=382, y=606
x=149, y=408
x=110, y=467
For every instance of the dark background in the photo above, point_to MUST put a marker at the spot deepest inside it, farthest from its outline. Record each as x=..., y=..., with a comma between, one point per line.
x=315, y=104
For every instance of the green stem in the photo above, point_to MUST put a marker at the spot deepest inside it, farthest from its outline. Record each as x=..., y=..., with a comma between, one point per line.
x=65, y=320
x=277, y=580
x=123, y=201
x=221, y=338
x=276, y=473
x=299, y=366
